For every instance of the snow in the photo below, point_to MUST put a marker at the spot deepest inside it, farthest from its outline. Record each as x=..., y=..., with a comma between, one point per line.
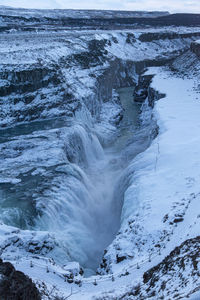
x=163, y=180
x=166, y=175
x=11, y=180
x=74, y=13
x=195, y=296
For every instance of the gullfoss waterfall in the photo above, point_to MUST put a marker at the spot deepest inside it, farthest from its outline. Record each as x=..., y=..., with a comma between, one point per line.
x=82, y=208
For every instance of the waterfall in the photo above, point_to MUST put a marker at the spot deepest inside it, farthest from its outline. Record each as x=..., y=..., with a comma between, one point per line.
x=81, y=199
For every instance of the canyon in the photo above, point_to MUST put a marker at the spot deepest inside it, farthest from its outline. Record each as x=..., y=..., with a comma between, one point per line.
x=99, y=120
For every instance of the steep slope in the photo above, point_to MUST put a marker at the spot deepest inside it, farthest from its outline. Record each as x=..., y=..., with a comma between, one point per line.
x=171, y=277
x=165, y=186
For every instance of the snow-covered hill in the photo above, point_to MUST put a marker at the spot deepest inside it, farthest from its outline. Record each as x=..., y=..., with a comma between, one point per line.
x=74, y=13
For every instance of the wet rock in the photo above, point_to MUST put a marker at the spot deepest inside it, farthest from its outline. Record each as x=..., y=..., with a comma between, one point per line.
x=195, y=48
x=130, y=38
x=120, y=258
x=189, y=250
x=153, y=36
x=14, y=285
x=40, y=247
x=143, y=91
x=177, y=220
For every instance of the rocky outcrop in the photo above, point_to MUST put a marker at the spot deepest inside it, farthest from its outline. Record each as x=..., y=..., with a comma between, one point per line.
x=180, y=266
x=119, y=74
x=195, y=47
x=14, y=285
x=154, y=36
x=31, y=93
x=176, y=277
x=143, y=91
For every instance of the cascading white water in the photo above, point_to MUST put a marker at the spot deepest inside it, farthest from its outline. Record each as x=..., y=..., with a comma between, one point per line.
x=88, y=206
x=82, y=205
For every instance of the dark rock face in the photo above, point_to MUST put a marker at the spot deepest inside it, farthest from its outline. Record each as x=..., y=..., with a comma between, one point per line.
x=120, y=258
x=21, y=90
x=95, y=56
x=141, y=90
x=154, y=36
x=179, y=19
x=176, y=277
x=195, y=48
x=26, y=81
x=187, y=252
x=14, y=285
x=144, y=91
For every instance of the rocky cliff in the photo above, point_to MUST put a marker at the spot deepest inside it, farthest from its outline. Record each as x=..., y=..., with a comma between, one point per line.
x=195, y=47
x=15, y=285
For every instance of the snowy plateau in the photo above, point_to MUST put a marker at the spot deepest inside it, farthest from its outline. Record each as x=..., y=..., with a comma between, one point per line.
x=99, y=155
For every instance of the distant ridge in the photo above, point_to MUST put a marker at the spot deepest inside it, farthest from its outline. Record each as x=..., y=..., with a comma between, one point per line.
x=68, y=19
x=82, y=13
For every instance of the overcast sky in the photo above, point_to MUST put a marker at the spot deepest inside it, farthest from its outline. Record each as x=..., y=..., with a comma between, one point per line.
x=170, y=5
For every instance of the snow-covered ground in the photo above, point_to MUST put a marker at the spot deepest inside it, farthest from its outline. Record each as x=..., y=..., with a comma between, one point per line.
x=58, y=142
x=161, y=205
x=165, y=161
